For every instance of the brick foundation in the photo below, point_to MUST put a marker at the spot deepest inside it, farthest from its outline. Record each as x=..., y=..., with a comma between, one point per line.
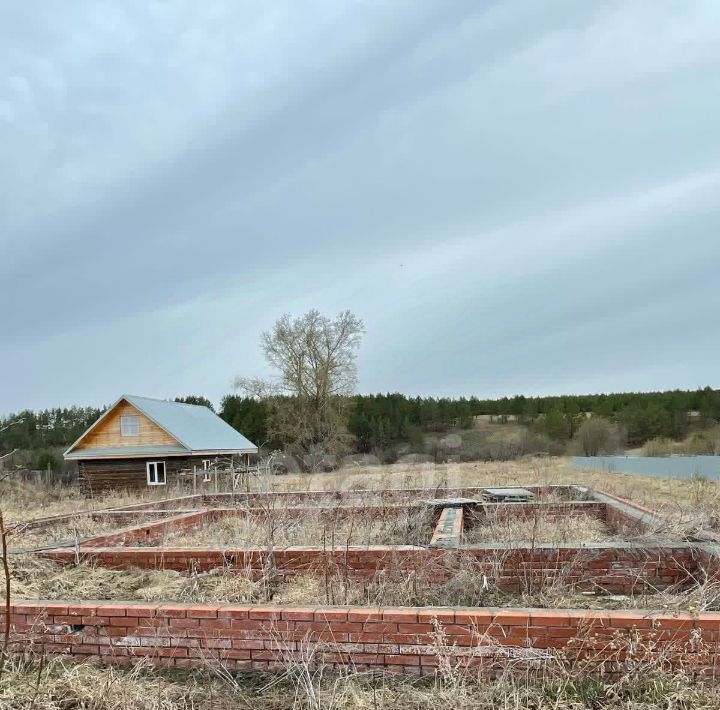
x=402, y=639
x=616, y=568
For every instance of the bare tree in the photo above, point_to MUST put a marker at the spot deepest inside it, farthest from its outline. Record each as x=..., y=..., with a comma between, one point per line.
x=5, y=533
x=314, y=357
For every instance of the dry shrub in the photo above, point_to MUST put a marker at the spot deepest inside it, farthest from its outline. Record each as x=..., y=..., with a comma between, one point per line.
x=659, y=446
x=455, y=580
x=644, y=676
x=234, y=586
x=690, y=518
x=23, y=501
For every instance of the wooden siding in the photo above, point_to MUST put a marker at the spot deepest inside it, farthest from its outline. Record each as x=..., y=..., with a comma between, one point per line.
x=101, y=475
x=107, y=433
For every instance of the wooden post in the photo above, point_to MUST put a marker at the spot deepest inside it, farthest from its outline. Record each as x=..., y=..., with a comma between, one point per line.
x=194, y=480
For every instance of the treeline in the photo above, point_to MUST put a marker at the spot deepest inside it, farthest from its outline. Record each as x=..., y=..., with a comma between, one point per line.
x=49, y=428
x=643, y=415
x=378, y=421
x=381, y=420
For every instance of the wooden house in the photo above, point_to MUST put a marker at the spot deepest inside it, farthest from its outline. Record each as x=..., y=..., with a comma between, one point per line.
x=142, y=442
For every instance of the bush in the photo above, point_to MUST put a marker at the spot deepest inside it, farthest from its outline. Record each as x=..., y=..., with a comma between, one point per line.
x=597, y=436
x=557, y=448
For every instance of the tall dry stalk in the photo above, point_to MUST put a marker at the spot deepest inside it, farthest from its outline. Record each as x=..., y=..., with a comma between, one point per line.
x=4, y=532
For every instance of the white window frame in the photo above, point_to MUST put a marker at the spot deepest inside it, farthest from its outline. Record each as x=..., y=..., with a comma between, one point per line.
x=206, y=464
x=153, y=466
x=125, y=421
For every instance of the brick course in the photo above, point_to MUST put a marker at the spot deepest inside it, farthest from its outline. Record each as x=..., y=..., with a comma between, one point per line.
x=262, y=637
x=614, y=567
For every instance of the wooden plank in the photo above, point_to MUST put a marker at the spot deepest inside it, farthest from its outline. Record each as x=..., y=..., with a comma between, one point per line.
x=98, y=475
x=107, y=433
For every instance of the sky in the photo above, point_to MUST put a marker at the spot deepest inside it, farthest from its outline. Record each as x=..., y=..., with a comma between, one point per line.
x=515, y=197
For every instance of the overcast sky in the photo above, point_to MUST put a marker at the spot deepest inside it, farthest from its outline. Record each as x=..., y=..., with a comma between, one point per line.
x=516, y=197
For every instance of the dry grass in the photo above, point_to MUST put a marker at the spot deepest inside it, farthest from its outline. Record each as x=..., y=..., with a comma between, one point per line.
x=658, y=493
x=690, y=505
x=78, y=528
x=63, y=685
x=26, y=501
x=280, y=528
x=502, y=526
x=35, y=578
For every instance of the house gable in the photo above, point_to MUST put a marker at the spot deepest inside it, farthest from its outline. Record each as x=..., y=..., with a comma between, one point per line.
x=106, y=433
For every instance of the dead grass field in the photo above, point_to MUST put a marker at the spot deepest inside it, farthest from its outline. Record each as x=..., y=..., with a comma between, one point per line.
x=539, y=528
x=28, y=502
x=279, y=529
x=646, y=490
x=687, y=505
x=24, y=502
x=65, y=685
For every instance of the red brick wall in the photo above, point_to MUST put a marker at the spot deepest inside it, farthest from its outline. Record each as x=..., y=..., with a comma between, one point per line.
x=149, y=533
x=626, y=517
x=614, y=568
x=401, y=639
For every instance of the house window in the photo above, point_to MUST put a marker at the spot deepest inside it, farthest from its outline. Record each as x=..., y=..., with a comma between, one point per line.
x=206, y=464
x=156, y=473
x=130, y=425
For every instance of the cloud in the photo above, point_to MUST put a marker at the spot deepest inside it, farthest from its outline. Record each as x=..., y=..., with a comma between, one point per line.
x=492, y=186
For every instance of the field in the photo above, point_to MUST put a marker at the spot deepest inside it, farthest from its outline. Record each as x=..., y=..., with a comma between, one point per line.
x=687, y=507
x=687, y=498
x=313, y=527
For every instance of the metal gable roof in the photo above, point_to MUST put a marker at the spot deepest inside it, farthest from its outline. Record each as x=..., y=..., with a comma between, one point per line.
x=196, y=429
x=194, y=426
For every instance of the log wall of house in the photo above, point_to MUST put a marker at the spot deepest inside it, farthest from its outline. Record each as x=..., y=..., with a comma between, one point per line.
x=107, y=433
x=104, y=474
